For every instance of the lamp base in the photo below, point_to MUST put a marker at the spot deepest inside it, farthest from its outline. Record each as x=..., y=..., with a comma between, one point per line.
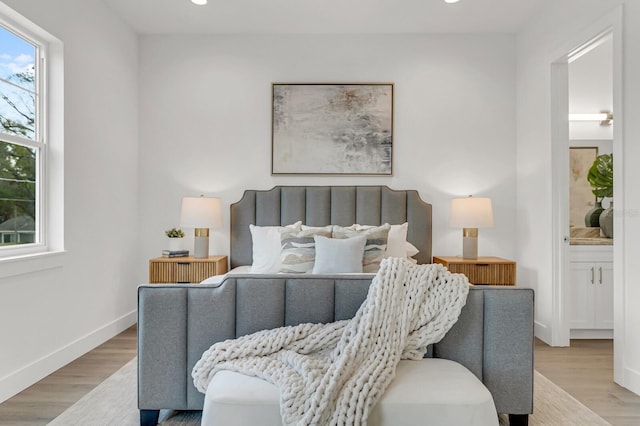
x=470, y=243
x=201, y=243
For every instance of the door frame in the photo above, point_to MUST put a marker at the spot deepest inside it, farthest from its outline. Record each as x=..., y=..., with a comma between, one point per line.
x=610, y=23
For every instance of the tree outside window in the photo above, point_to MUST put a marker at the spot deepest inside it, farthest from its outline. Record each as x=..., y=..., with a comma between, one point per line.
x=20, y=142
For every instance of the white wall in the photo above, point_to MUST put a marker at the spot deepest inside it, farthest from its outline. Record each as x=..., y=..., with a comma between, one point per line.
x=559, y=23
x=49, y=317
x=205, y=121
x=591, y=91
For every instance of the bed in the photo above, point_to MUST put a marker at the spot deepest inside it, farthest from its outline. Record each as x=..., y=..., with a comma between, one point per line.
x=493, y=337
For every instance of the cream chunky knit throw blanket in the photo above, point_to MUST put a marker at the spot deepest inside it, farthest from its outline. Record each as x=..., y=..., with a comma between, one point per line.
x=333, y=374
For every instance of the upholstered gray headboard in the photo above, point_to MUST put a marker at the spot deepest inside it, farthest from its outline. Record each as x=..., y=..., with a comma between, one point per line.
x=329, y=205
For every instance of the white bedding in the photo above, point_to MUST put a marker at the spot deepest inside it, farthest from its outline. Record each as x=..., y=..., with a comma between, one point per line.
x=246, y=269
x=217, y=279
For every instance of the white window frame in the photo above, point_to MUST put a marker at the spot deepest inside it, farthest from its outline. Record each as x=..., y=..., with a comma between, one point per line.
x=49, y=177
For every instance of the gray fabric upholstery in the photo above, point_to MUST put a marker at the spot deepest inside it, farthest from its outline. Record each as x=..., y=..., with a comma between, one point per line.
x=506, y=372
x=493, y=337
x=259, y=305
x=329, y=205
x=309, y=300
x=465, y=344
x=349, y=294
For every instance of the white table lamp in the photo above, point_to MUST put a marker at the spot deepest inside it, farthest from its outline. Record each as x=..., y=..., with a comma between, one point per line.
x=471, y=213
x=201, y=213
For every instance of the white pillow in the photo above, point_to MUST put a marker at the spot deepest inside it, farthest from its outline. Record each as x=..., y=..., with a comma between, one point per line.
x=397, y=245
x=411, y=249
x=337, y=256
x=266, y=247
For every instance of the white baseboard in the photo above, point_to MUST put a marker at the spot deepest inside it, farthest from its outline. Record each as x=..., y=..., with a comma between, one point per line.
x=590, y=334
x=632, y=380
x=31, y=373
x=542, y=332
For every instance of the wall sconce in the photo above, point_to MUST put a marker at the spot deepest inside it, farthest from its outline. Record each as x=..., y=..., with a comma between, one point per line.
x=471, y=213
x=201, y=213
x=605, y=117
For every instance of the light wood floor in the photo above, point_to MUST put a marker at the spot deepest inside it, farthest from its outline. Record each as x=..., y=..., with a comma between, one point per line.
x=585, y=370
x=47, y=399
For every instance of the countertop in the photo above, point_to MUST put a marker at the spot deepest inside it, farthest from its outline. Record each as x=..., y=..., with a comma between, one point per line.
x=588, y=236
x=590, y=241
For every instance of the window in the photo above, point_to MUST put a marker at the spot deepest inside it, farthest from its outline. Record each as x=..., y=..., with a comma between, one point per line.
x=22, y=142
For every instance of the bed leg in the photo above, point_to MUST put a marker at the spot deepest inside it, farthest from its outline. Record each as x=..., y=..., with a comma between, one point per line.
x=149, y=417
x=518, y=419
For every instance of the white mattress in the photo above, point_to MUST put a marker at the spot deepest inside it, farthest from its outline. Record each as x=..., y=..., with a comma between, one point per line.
x=217, y=279
x=246, y=269
x=427, y=392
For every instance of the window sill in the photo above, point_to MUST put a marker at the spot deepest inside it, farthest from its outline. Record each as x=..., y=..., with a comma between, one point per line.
x=29, y=263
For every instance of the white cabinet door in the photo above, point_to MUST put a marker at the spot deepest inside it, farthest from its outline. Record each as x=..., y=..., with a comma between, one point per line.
x=604, y=295
x=582, y=280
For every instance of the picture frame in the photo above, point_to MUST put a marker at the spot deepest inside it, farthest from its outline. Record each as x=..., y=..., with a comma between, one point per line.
x=581, y=199
x=332, y=129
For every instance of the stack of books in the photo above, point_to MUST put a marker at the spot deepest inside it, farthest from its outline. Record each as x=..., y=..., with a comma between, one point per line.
x=175, y=253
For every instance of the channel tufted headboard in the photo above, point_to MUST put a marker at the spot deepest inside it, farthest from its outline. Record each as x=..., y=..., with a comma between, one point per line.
x=329, y=205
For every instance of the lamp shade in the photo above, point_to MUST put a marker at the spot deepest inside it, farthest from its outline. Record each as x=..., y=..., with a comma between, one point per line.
x=471, y=212
x=201, y=212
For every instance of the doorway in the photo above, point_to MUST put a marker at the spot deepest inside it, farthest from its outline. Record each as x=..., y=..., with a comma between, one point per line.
x=606, y=32
x=589, y=302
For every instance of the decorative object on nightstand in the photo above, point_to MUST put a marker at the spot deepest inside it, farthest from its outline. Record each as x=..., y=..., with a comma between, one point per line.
x=201, y=213
x=483, y=270
x=471, y=213
x=175, y=253
x=185, y=269
x=175, y=236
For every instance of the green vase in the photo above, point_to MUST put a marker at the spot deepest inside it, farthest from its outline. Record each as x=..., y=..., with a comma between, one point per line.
x=606, y=221
x=592, y=218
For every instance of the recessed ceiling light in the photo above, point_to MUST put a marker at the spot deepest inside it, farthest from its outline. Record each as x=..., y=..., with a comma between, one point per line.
x=202, y=2
x=451, y=1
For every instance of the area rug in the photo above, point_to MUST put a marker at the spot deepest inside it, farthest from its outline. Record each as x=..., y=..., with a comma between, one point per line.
x=114, y=402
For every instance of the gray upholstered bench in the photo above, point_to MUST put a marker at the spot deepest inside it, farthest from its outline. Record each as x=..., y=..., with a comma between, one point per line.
x=430, y=391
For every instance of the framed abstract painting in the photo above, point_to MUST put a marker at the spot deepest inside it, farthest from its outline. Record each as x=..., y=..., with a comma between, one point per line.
x=581, y=199
x=332, y=129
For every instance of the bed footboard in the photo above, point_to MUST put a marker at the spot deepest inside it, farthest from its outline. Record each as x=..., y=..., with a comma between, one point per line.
x=176, y=323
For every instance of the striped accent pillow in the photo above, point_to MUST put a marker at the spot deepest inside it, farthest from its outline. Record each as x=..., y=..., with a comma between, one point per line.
x=299, y=248
x=375, y=246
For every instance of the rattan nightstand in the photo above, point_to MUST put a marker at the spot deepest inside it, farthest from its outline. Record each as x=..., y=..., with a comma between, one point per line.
x=185, y=269
x=483, y=270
